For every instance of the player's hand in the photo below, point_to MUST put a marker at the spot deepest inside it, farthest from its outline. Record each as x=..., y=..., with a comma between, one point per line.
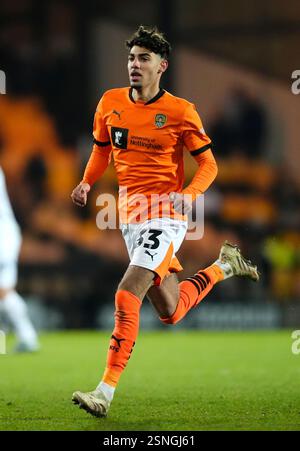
x=79, y=194
x=182, y=203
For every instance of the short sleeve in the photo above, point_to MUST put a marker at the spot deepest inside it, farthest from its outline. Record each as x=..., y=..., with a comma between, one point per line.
x=194, y=137
x=100, y=132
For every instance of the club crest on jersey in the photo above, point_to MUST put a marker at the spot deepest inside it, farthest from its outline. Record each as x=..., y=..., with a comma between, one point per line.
x=160, y=120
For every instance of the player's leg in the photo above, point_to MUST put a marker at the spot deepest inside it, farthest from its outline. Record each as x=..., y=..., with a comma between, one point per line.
x=172, y=301
x=165, y=297
x=128, y=300
x=15, y=309
x=150, y=248
x=137, y=280
x=11, y=303
x=130, y=293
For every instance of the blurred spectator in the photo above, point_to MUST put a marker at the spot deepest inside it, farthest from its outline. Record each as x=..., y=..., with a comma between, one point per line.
x=241, y=124
x=19, y=52
x=61, y=71
x=286, y=194
x=44, y=61
x=282, y=252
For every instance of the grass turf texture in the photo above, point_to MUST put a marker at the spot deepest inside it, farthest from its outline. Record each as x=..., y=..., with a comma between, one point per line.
x=174, y=381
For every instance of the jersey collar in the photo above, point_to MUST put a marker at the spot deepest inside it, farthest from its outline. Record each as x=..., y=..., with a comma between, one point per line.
x=154, y=99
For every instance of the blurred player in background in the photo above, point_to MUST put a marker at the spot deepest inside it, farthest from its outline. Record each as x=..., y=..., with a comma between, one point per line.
x=146, y=130
x=12, y=305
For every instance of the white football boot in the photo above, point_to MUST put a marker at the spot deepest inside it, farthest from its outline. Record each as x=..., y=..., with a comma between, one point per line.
x=94, y=402
x=231, y=254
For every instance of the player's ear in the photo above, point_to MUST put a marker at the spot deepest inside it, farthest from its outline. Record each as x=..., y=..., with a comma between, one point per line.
x=163, y=66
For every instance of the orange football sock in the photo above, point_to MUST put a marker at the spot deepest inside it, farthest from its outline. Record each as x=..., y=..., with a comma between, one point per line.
x=124, y=335
x=193, y=290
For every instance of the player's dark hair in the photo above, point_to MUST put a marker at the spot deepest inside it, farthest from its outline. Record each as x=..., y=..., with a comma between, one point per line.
x=152, y=39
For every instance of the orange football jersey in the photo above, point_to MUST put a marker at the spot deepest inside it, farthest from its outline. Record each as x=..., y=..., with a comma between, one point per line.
x=147, y=140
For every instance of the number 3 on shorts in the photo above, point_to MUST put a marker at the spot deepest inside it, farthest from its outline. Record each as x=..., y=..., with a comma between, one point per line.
x=153, y=234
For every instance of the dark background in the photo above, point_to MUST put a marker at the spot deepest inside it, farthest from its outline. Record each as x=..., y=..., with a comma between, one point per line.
x=234, y=60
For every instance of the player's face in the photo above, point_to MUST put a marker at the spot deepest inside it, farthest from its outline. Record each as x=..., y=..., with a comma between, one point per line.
x=144, y=67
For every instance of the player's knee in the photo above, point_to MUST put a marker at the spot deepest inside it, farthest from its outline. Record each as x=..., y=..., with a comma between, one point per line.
x=170, y=320
x=137, y=281
x=131, y=288
x=170, y=317
x=127, y=285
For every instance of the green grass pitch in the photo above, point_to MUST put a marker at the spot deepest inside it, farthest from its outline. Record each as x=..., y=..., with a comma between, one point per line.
x=175, y=380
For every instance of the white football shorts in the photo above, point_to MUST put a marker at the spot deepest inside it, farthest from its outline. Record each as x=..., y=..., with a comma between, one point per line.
x=154, y=243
